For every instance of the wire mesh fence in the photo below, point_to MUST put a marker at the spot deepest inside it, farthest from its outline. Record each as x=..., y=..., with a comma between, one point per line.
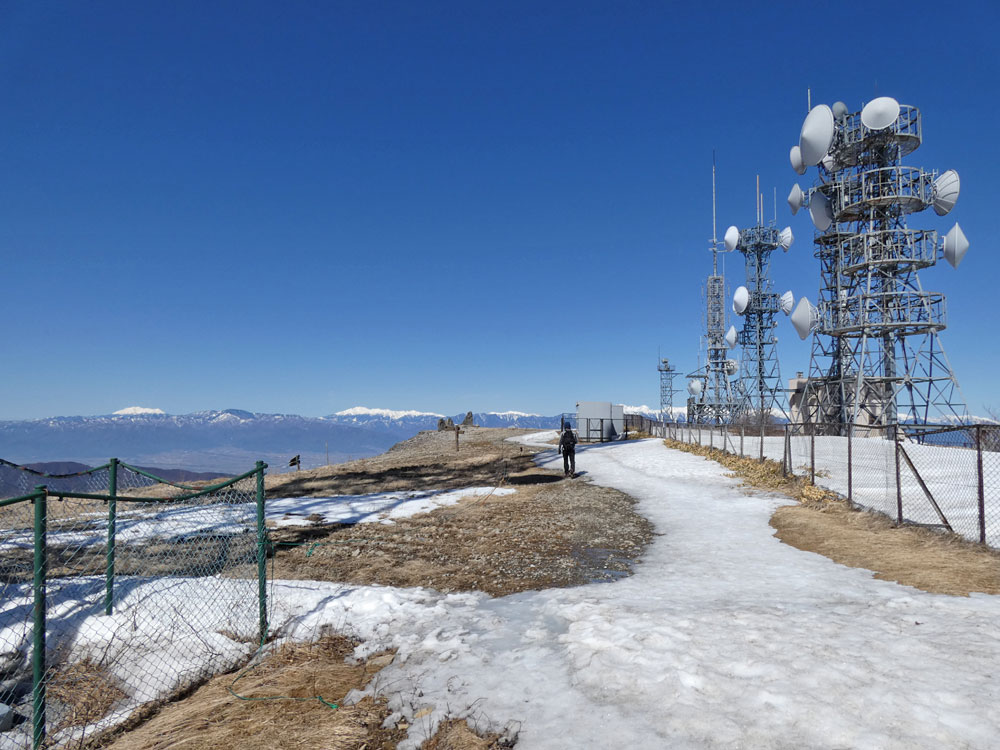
x=118, y=589
x=939, y=477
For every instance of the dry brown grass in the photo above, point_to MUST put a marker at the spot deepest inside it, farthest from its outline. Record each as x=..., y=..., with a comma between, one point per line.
x=280, y=706
x=456, y=735
x=86, y=690
x=823, y=522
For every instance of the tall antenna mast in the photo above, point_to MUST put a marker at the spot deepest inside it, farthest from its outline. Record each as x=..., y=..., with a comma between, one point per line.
x=876, y=355
x=712, y=393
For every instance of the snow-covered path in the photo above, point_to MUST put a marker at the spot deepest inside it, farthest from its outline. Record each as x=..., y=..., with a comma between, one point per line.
x=724, y=637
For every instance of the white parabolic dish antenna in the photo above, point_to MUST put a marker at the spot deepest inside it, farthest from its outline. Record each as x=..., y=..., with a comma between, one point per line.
x=955, y=245
x=795, y=157
x=819, y=211
x=694, y=387
x=804, y=318
x=839, y=110
x=741, y=298
x=786, y=238
x=795, y=198
x=946, y=189
x=816, y=136
x=732, y=238
x=731, y=337
x=732, y=366
x=787, y=302
x=878, y=114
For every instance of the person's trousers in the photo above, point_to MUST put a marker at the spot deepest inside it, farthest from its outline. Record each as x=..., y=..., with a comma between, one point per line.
x=569, y=462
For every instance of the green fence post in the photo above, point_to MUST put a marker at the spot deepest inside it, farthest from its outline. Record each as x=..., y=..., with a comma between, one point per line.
x=109, y=584
x=38, y=640
x=261, y=552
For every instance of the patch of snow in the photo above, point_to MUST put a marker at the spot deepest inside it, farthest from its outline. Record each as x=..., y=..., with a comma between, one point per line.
x=136, y=410
x=512, y=414
x=364, y=411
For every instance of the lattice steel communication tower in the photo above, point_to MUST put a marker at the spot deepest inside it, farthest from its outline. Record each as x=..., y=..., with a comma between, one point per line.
x=715, y=399
x=760, y=375
x=877, y=358
x=667, y=374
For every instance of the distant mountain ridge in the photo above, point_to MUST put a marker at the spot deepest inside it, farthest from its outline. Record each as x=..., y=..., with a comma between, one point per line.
x=228, y=440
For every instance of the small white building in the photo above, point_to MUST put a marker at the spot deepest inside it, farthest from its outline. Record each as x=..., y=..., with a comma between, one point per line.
x=599, y=421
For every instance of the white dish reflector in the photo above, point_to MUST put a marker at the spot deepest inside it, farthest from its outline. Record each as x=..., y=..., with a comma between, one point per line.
x=955, y=245
x=732, y=367
x=795, y=198
x=732, y=238
x=694, y=387
x=946, y=189
x=804, y=318
x=787, y=302
x=839, y=110
x=878, y=114
x=795, y=157
x=731, y=337
x=816, y=136
x=819, y=211
x=786, y=238
x=741, y=298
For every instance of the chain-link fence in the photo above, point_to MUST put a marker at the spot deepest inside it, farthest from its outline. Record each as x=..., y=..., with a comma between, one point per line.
x=120, y=589
x=943, y=477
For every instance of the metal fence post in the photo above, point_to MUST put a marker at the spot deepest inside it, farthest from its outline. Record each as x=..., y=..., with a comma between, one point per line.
x=899, y=487
x=742, y=431
x=109, y=574
x=981, y=493
x=812, y=457
x=261, y=553
x=711, y=437
x=786, y=454
x=41, y=564
x=850, y=465
x=762, y=442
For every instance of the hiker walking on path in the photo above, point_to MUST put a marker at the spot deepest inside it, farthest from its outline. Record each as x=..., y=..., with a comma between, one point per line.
x=567, y=446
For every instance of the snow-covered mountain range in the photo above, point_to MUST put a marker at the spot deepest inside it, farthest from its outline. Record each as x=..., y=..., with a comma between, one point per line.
x=229, y=440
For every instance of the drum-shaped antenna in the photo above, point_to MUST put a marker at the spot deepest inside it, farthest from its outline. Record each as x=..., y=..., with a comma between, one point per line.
x=946, y=189
x=805, y=318
x=878, y=114
x=741, y=298
x=955, y=245
x=816, y=136
x=787, y=302
x=732, y=238
x=786, y=238
x=795, y=157
x=839, y=110
x=795, y=198
x=731, y=337
x=819, y=211
x=732, y=367
x=694, y=387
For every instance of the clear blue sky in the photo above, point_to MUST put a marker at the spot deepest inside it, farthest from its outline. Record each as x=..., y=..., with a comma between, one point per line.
x=302, y=207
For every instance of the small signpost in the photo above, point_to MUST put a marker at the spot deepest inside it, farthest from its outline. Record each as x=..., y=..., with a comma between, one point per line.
x=296, y=461
x=458, y=431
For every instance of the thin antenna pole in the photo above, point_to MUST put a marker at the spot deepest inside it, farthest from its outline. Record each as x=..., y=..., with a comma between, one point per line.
x=776, y=206
x=757, y=201
x=715, y=241
x=809, y=99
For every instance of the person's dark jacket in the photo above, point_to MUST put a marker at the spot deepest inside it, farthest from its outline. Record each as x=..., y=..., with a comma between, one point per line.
x=567, y=442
